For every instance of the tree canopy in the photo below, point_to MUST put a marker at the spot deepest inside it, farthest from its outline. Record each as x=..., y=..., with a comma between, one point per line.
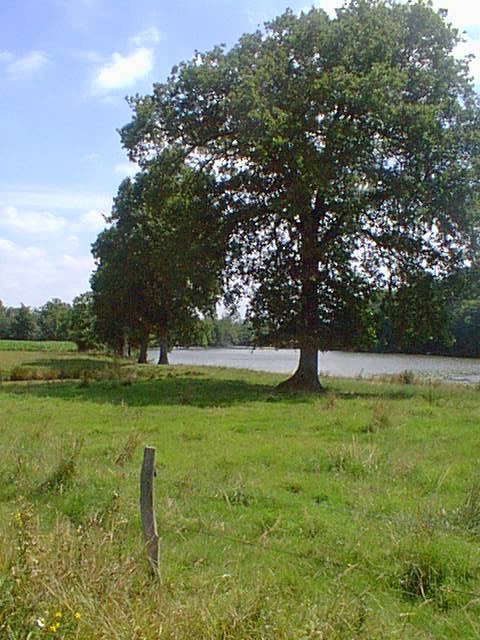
x=347, y=152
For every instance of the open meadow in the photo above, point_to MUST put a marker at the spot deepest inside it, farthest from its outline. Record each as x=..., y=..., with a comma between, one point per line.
x=351, y=514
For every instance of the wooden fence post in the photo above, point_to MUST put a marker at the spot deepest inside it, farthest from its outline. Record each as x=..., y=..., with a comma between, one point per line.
x=147, y=511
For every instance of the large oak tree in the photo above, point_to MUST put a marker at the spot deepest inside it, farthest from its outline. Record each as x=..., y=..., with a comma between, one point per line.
x=346, y=150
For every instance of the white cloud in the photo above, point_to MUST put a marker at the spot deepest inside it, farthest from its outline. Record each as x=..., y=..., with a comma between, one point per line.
x=123, y=71
x=31, y=222
x=44, y=223
x=126, y=169
x=6, y=56
x=45, y=238
x=71, y=243
x=33, y=276
x=77, y=263
x=53, y=200
x=327, y=5
x=91, y=221
x=6, y=245
x=461, y=13
x=147, y=37
x=28, y=64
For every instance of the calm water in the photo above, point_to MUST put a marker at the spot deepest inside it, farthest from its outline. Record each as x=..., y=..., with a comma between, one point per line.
x=335, y=363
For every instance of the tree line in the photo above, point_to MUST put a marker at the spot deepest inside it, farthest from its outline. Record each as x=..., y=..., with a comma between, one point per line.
x=399, y=322
x=55, y=320
x=60, y=321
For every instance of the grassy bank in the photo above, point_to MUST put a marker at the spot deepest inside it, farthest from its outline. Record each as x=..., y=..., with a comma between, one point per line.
x=351, y=515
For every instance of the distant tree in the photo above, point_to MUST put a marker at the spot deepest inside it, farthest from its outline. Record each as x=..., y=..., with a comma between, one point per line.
x=245, y=335
x=200, y=335
x=229, y=331
x=22, y=326
x=4, y=322
x=82, y=323
x=54, y=320
x=226, y=331
x=465, y=329
x=415, y=317
x=347, y=149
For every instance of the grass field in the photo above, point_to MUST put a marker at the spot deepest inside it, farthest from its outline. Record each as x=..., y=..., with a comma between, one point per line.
x=355, y=514
x=37, y=345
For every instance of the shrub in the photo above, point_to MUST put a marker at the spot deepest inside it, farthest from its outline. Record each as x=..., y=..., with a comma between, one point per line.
x=21, y=374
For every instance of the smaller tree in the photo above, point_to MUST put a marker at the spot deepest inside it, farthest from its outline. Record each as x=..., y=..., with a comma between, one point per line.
x=159, y=265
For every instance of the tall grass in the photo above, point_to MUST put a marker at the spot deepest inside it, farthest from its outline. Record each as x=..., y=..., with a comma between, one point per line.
x=349, y=515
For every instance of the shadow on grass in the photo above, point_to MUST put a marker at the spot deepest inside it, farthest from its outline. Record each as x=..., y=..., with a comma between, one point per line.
x=184, y=388
x=391, y=394
x=86, y=363
x=206, y=392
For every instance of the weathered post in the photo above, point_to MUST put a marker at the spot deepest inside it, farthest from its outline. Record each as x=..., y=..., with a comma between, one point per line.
x=147, y=511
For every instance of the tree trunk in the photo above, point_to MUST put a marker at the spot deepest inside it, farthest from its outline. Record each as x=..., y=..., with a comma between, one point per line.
x=305, y=377
x=163, y=356
x=142, y=356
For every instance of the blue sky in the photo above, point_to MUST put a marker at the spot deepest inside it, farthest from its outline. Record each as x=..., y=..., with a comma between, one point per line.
x=65, y=68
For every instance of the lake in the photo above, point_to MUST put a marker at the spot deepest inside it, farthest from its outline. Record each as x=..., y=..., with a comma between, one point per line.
x=335, y=363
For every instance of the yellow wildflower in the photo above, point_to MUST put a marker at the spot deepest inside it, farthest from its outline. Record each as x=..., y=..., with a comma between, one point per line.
x=77, y=615
x=58, y=614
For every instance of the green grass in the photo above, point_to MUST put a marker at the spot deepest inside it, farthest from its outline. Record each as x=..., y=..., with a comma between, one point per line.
x=37, y=345
x=354, y=514
x=23, y=366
